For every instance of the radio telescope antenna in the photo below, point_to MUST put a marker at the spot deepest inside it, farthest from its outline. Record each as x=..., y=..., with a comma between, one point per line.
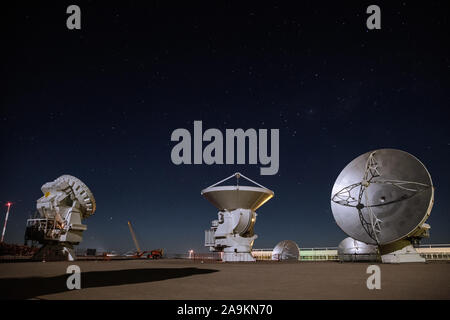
x=286, y=250
x=233, y=232
x=391, y=192
x=60, y=211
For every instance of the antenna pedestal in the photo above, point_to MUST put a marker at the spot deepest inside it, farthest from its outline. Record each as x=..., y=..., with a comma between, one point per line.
x=400, y=252
x=233, y=234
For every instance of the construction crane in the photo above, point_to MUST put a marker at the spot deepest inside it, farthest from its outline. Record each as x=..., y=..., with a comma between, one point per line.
x=8, y=204
x=133, y=235
x=153, y=254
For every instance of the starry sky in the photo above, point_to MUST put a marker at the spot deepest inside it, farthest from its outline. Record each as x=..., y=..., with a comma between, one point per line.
x=101, y=103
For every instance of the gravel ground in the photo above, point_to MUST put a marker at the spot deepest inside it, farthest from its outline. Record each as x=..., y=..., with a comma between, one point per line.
x=183, y=279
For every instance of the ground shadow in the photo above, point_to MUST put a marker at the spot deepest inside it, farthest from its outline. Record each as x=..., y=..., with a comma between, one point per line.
x=26, y=288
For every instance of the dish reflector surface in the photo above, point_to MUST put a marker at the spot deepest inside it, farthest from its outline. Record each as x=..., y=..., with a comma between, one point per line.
x=382, y=196
x=286, y=250
x=237, y=197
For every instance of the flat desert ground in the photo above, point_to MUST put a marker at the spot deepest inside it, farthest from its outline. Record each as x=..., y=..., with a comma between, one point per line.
x=168, y=279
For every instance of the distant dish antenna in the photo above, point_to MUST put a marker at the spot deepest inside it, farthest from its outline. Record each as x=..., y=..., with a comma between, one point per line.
x=233, y=232
x=353, y=250
x=286, y=250
x=384, y=197
x=57, y=226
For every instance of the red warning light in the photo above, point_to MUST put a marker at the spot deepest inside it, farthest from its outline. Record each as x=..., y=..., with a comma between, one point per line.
x=8, y=204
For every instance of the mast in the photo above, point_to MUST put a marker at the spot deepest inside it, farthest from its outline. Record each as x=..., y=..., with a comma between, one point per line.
x=133, y=235
x=6, y=221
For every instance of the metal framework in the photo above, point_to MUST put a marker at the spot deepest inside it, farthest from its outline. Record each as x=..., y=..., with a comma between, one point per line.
x=237, y=175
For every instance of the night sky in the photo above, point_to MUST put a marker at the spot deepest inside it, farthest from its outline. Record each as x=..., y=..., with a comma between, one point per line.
x=101, y=103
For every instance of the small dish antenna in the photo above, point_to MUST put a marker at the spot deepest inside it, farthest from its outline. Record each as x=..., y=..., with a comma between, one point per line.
x=233, y=232
x=286, y=250
x=353, y=250
x=384, y=197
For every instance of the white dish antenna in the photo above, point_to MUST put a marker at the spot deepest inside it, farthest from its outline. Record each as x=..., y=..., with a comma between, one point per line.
x=58, y=222
x=382, y=197
x=233, y=232
x=286, y=250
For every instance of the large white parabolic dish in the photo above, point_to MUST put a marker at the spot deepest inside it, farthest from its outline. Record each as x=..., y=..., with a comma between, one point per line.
x=237, y=197
x=382, y=196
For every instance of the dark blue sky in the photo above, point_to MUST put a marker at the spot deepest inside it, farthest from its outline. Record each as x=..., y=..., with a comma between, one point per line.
x=101, y=103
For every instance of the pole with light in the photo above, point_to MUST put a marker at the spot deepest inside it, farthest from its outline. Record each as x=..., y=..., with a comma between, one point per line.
x=8, y=204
